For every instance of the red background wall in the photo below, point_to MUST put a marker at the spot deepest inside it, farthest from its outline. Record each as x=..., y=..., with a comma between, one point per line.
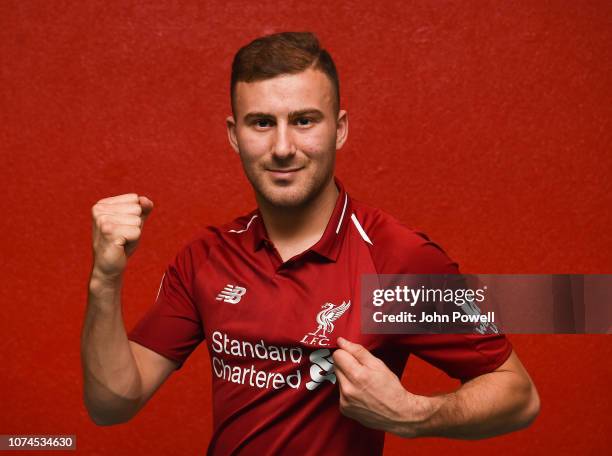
x=485, y=124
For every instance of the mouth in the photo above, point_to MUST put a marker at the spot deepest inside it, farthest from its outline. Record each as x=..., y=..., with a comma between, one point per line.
x=283, y=173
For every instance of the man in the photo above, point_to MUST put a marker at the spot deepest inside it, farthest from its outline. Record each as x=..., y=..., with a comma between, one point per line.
x=275, y=294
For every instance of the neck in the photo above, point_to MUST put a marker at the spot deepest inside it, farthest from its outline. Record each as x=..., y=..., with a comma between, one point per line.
x=299, y=225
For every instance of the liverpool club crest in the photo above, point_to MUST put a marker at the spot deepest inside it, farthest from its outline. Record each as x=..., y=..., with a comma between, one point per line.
x=325, y=323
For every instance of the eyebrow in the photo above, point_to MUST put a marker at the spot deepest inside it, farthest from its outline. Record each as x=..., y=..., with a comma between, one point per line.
x=292, y=115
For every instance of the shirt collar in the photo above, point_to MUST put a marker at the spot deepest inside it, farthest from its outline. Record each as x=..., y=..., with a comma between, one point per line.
x=331, y=240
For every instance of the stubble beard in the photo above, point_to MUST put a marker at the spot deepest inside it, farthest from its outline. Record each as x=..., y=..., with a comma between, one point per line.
x=290, y=198
x=297, y=197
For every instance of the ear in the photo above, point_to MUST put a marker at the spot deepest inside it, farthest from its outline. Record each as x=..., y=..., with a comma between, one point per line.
x=231, y=133
x=341, y=129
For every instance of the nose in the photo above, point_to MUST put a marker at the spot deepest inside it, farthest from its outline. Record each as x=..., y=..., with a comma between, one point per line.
x=283, y=145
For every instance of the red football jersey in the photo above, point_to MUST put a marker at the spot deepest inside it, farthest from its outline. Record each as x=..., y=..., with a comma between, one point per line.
x=274, y=388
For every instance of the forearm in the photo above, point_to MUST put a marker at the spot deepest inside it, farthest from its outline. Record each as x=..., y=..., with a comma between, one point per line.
x=489, y=405
x=112, y=383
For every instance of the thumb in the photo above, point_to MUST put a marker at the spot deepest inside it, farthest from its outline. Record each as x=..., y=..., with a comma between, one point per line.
x=358, y=351
x=147, y=206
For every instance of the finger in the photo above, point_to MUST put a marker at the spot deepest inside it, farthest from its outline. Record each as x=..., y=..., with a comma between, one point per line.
x=361, y=354
x=343, y=384
x=347, y=364
x=147, y=206
x=125, y=233
x=121, y=208
x=346, y=389
x=120, y=219
x=125, y=198
x=341, y=376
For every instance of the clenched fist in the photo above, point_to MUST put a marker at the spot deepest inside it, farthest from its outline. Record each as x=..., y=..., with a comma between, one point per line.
x=117, y=226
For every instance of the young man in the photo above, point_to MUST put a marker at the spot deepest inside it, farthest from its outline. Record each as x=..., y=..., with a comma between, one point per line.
x=275, y=294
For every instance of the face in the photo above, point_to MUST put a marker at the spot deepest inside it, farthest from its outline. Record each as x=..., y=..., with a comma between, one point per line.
x=286, y=133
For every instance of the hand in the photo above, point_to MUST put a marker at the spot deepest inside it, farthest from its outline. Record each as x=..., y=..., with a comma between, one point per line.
x=117, y=226
x=373, y=395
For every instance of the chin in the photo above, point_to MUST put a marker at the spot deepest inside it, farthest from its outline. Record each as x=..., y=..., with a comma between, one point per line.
x=294, y=195
x=285, y=197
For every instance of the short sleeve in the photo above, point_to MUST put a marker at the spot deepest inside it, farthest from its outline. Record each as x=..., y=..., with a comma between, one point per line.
x=172, y=326
x=461, y=356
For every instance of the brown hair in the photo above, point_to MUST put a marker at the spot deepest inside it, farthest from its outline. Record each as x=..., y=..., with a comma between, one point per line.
x=282, y=53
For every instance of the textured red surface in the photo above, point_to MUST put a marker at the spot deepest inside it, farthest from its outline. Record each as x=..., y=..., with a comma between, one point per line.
x=487, y=125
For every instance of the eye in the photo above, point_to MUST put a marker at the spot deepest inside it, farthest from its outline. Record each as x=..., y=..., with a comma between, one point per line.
x=262, y=123
x=304, y=121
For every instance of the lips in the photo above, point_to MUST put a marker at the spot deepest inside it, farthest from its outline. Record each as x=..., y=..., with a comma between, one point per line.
x=290, y=170
x=283, y=173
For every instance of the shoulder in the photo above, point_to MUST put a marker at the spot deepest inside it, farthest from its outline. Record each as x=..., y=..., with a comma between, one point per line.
x=398, y=249
x=195, y=252
x=205, y=239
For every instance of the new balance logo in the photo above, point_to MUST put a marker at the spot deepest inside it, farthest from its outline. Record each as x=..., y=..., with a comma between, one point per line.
x=231, y=293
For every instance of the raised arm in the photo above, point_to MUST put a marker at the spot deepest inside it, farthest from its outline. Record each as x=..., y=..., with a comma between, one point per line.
x=119, y=375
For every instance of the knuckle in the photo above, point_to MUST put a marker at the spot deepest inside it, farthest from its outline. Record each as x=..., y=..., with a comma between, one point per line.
x=96, y=209
x=348, y=394
x=107, y=227
x=358, y=376
x=136, y=232
x=381, y=364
